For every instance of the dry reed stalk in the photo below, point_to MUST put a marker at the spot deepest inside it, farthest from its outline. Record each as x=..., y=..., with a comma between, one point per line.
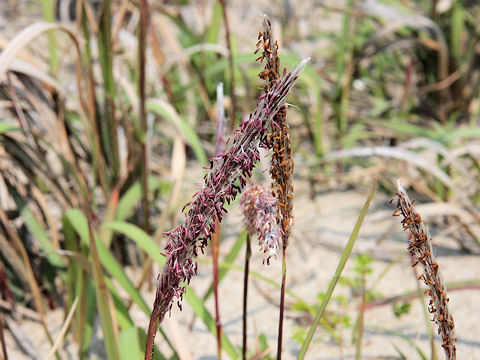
x=420, y=249
x=225, y=179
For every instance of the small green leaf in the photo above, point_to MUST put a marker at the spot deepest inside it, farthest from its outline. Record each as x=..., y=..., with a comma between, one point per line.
x=5, y=127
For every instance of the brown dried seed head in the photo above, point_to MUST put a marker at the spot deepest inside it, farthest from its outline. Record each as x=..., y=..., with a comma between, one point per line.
x=420, y=248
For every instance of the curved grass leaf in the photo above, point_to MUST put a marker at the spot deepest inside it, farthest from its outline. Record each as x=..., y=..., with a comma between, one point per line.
x=148, y=245
x=4, y=127
x=79, y=223
x=167, y=111
x=133, y=195
x=140, y=237
x=132, y=345
x=341, y=265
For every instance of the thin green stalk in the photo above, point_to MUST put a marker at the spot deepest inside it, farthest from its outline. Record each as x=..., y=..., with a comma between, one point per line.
x=344, y=49
x=341, y=265
x=49, y=15
x=108, y=123
x=101, y=292
x=98, y=160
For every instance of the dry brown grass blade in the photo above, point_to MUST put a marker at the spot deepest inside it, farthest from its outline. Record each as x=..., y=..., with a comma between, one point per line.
x=35, y=289
x=34, y=166
x=400, y=154
x=2, y=339
x=14, y=260
x=22, y=338
x=63, y=331
x=22, y=67
x=27, y=35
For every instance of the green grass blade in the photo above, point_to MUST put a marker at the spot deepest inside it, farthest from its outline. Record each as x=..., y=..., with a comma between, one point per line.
x=149, y=246
x=87, y=318
x=5, y=127
x=213, y=29
x=102, y=295
x=132, y=345
x=49, y=15
x=168, y=112
x=341, y=265
x=133, y=195
x=123, y=317
x=140, y=237
x=78, y=221
x=108, y=124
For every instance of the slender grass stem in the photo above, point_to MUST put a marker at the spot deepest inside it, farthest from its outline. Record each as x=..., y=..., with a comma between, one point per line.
x=248, y=254
x=215, y=252
x=108, y=125
x=49, y=15
x=282, y=303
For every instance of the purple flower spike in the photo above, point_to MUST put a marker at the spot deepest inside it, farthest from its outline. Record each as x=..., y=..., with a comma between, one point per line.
x=223, y=182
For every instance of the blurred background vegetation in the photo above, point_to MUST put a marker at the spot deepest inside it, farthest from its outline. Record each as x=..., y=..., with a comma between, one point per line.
x=101, y=114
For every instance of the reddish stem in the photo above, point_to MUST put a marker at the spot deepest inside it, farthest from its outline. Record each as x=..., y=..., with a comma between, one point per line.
x=282, y=304
x=248, y=254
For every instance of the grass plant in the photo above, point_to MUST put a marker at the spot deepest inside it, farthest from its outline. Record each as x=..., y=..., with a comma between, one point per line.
x=105, y=117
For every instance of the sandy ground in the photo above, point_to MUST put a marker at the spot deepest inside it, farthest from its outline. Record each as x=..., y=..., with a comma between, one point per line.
x=322, y=228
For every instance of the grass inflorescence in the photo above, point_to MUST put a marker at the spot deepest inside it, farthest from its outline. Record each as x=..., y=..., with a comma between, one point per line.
x=420, y=249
